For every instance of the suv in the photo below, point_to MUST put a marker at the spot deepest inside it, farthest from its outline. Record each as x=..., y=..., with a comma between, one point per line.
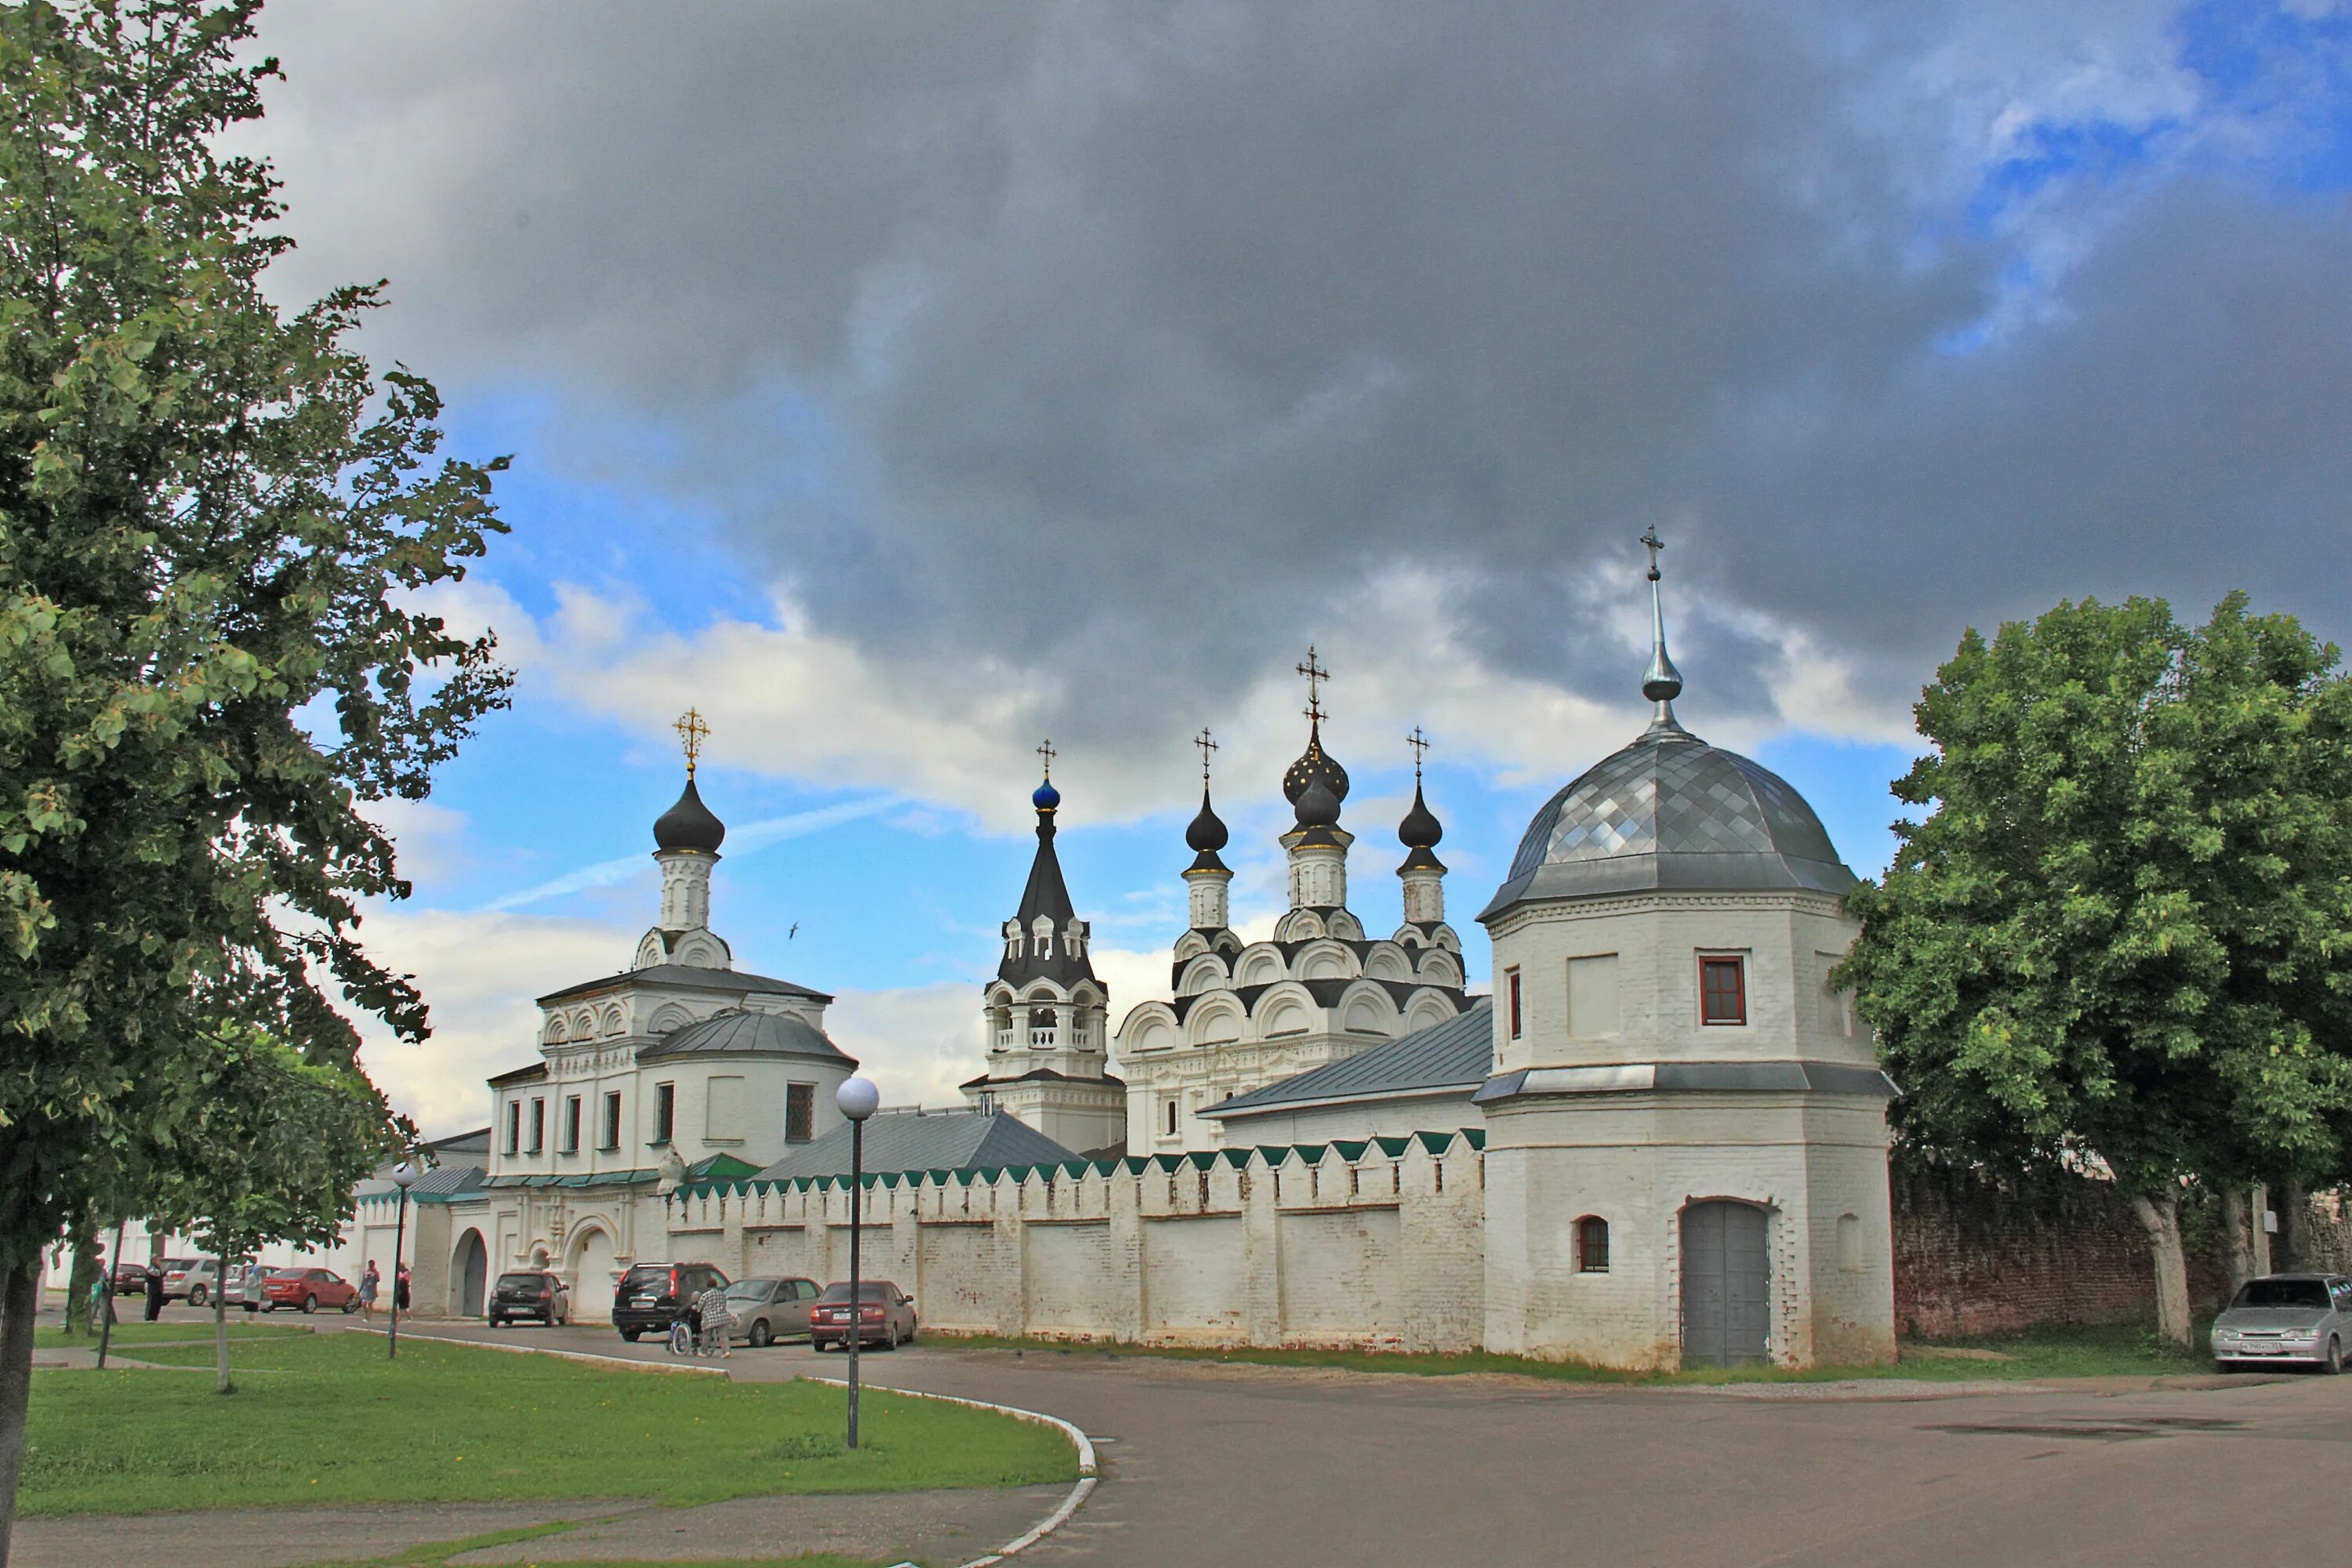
x=653, y=1295
x=531, y=1293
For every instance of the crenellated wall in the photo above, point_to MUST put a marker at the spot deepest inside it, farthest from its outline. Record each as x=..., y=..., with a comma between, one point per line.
x=1376, y=1244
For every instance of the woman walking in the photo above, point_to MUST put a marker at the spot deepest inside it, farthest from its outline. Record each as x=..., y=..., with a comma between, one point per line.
x=369, y=1283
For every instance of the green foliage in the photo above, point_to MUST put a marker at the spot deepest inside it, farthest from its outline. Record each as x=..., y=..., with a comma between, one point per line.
x=2126, y=929
x=215, y=525
x=332, y=1421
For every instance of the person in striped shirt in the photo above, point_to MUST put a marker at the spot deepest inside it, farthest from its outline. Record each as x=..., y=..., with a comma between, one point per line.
x=717, y=1318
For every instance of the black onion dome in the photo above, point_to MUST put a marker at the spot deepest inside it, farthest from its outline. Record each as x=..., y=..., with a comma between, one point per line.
x=1420, y=829
x=1314, y=763
x=1318, y=803
x=690, y=824
x=1207, y=834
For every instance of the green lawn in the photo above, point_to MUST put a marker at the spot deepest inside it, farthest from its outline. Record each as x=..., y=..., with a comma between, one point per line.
x=2100, y=1350
x=332, y=1421
x=128, y=1334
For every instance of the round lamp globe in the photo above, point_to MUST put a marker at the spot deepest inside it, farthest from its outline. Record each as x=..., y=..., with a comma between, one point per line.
x=857, y=1097
x=404, y=1173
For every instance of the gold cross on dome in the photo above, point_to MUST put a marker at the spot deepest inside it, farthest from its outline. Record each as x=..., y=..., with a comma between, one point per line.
x=1206, y=745
x=1045, y=750
x=1420, y=744
x=1316, y=675
x=691, y=730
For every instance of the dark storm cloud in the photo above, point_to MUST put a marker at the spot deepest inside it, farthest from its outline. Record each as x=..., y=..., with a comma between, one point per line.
x=1135, y=338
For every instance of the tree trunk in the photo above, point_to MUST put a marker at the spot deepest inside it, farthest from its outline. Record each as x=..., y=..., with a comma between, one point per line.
x=2238, y=1236
x=80, y=1279
x=20, y=1291
x=2159, y=1216
x=220, y=1335
x=2292, y=1251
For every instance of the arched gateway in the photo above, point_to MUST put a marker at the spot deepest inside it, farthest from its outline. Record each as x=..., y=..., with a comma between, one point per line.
x=469, y=1275
x=592, y=1266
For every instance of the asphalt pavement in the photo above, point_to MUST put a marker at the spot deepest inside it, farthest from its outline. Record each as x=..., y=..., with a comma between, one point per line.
x=1205, y=1463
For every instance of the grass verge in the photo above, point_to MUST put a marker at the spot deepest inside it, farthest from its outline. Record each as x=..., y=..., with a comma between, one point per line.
x=2119, y=1350
x=337, y=1423
x=128, y=1334
x=438, y=1554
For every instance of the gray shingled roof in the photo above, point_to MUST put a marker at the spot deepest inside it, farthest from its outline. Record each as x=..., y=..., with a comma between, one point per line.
x=1456, y=1054
x=736, y=1032
x=450, y=1180
x=925, y=1141
x=687, y=977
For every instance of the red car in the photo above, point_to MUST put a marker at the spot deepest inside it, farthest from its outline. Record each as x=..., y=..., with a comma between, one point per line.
x=309, y=1289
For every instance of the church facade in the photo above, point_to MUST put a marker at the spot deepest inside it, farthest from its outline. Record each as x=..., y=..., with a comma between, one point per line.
x=1660, y=1141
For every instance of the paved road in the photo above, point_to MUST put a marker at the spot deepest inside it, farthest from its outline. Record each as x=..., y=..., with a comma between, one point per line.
x=1209, y=1464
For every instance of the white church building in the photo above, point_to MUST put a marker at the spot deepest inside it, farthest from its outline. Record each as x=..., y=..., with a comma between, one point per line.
x=1661, y=1142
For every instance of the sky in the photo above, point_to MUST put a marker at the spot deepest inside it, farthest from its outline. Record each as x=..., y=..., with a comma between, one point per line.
x=901, y=385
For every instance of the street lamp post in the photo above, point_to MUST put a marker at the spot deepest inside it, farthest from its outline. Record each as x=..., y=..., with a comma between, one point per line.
x=404, y=1176
x=857, y=1097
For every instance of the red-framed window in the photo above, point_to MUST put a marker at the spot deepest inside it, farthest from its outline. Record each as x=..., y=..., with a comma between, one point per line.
x=1511, y=984
x=1722, y=990
x=1592, y=1244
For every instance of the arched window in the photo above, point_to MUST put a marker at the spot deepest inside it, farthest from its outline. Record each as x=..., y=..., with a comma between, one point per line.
x=1849, y=1241
x=1592, y=1244
x=1172, y=1118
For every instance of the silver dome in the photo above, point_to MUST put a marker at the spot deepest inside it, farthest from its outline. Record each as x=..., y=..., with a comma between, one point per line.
x=1672, y=812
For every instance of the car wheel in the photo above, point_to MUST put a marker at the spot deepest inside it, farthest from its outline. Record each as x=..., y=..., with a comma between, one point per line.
x=631, y=1334
x=196, y=1297
x=351, y=1305
x=497, y=1323
x=890, y=1338
x=761, y=1336
x=310, y=1302
x=269, y=1306
x=2334, y=1364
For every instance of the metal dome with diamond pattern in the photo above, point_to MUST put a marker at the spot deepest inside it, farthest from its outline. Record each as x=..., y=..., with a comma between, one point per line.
x=1671, y=811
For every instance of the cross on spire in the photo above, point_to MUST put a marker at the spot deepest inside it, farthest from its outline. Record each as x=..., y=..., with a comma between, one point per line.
x=1045, y=750
x=1420, y=744
x=691, y=730
x=1652, y=543
x=1207, y=746
x=1316, y=675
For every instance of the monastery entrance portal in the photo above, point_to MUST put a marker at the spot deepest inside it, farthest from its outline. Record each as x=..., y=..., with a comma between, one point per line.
x=470, y=1274
x=1726, y=1285
x=593, y=1267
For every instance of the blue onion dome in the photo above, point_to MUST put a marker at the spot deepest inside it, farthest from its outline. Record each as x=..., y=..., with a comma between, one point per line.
x=690, y=824
x=1047, y=798
x=1207, y=834
x=1420, y=829
x=1314, y=763
x=1318, y=803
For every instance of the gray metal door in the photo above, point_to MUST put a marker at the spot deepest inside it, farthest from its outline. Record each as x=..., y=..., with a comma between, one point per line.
x=1726, y=1285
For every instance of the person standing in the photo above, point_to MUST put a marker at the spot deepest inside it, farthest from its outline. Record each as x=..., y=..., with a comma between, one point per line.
x=369, y=1283
x=400, y=1288
x=718, y=1317
x=153, y=1274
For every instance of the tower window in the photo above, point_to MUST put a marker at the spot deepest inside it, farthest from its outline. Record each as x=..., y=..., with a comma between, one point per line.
x=1172, y=1118
x=514, y=1126
x=664, y=1111
x=1722, y=990
x=570, y=1145
x=1511, y=986
x=1592, y=1244
x=611, y=1137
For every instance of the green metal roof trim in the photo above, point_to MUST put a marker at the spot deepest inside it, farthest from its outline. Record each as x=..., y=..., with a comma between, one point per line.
x=1394, y=1148
x=1351, y=1150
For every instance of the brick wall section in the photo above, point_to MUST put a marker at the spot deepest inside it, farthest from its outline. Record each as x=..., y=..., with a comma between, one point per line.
x=1973, y=1256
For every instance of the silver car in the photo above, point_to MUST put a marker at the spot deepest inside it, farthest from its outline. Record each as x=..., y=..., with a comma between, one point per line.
x=2286, y=1317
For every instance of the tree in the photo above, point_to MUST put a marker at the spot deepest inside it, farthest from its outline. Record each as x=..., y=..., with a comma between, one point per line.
x=270, y=1147
x=215, y=526
x=2122, y=939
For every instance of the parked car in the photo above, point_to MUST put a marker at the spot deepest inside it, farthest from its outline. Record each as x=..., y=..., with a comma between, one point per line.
x=130, y=1279
x=651, y=1295
x=2286, y=1317
x=310, y=1289
x=886, y=1315
x=534, y=1294
x=177, y=1273
x=768, y=1310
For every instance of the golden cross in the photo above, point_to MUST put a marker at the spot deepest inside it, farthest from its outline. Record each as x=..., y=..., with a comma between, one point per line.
x=1045, y=750
x=690, y=730
x=1206, y=745
x=1420, y=744
x=1316, y=675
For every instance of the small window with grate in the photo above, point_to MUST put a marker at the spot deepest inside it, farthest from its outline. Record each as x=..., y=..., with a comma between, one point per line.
x=800, y=1112
x=1592, y=1244
x=1511, y=986
x=1722, y=990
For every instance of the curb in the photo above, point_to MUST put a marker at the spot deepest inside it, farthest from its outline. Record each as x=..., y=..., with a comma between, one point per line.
x=1088, y=1476
x=629, y=1363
